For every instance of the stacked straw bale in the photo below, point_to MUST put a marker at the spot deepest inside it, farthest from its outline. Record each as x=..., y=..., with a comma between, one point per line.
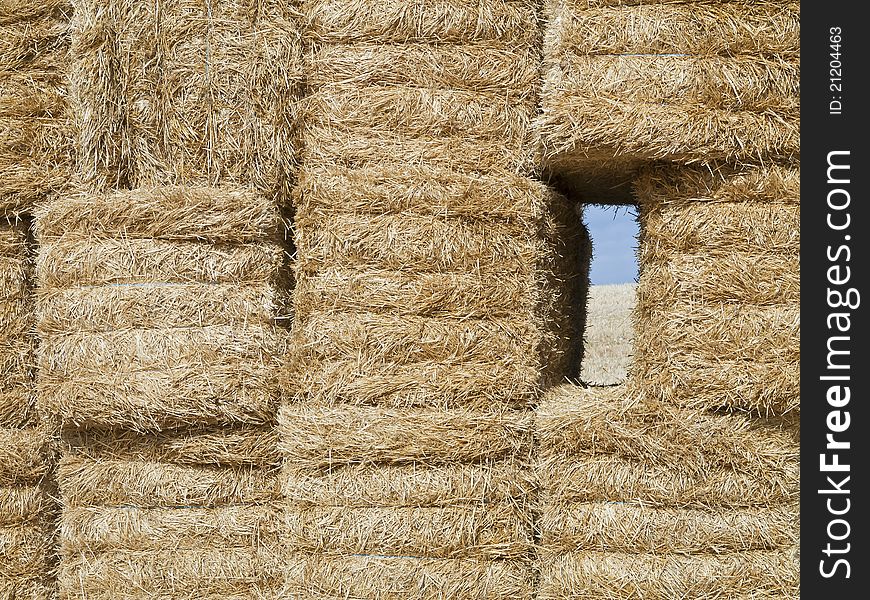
x=35, y=133
x=156, y=308
x=203, y=91
x=434, y=298
x=719, y=292
x=26, y=510
x=191, y=513
x=627, y=81
x=647, y=500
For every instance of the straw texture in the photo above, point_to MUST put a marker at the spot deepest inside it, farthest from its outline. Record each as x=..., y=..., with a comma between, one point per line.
x=185, y=513
x=149, y=323
x=204, y=93
x=36, y=149
x=437, y=293
x=26, y=450
x=641, y=499
x=719, y=292
x=682, y=81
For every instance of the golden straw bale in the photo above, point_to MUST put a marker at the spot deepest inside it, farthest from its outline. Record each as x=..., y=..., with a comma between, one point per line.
x=496, y=532
x=152, y=378
x=23, y=503
x=678, y=185
x=212, y=446
x=719, y=289
x=24, y=455
x=230, y=572
x=366, y=485
x=147, y=324
x=25, y=561
x=356, y=148
x=634, y=527
x=424, y=189
x=684, y=81
x=409, y=112
x=217, y=214
x=36, y=151
x=401, y=577
x=445, y=21
x=130, y=482
x=206, y=92
x=730, y=276
x=696, y=28
x=620, y=421
x=109, y=261
x=176, y=512
x=726, y=332
x=16, y=322
x=315, y=437
x=611, y=478
x=500, y=68
x=96, y=309
x=756, y=575
x=102, y=528
x=482, y=362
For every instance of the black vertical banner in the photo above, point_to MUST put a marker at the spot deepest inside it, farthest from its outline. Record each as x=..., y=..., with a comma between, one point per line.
x=835, y=354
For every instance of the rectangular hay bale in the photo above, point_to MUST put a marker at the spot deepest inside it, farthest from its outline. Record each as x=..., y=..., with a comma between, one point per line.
x=206, y=93
x=36, y=149
x=149, y=323
x=679, y=81
x=189, y=511
x=719, y=287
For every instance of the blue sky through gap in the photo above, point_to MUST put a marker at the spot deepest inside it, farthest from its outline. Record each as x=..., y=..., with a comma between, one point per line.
x=614, y=243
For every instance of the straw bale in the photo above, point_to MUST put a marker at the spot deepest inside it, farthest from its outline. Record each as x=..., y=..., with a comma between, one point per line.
x=152, y=378
x=97, y=309
x=24, y=504
x=364, y=485
x=205, y=93
x=678, y=185
x=756, y=575
x=36, y=139
x=362, y=148
x=501, y=68
x=131, y=482
x=401, y=577
x=230, y=572
x=24, y=455
x=484, y=117
x=721, y=332
x=423, y=189
x=610, y=478
x=747, y=278
x=16, y=321
x=421, y=243
x=69, y=262
x=217, y=214
x=215, y=446
x=443, y=21
x=315, y=437
x=720, y=287
x=622, y=422
x=726, y=28
x=400, y=361
x=494, y=532
x=25, y=561
x=436, y=294
x=737, y=385
x=102, y=528
x=634, y=527
x=707, y=227
x=684, y=81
